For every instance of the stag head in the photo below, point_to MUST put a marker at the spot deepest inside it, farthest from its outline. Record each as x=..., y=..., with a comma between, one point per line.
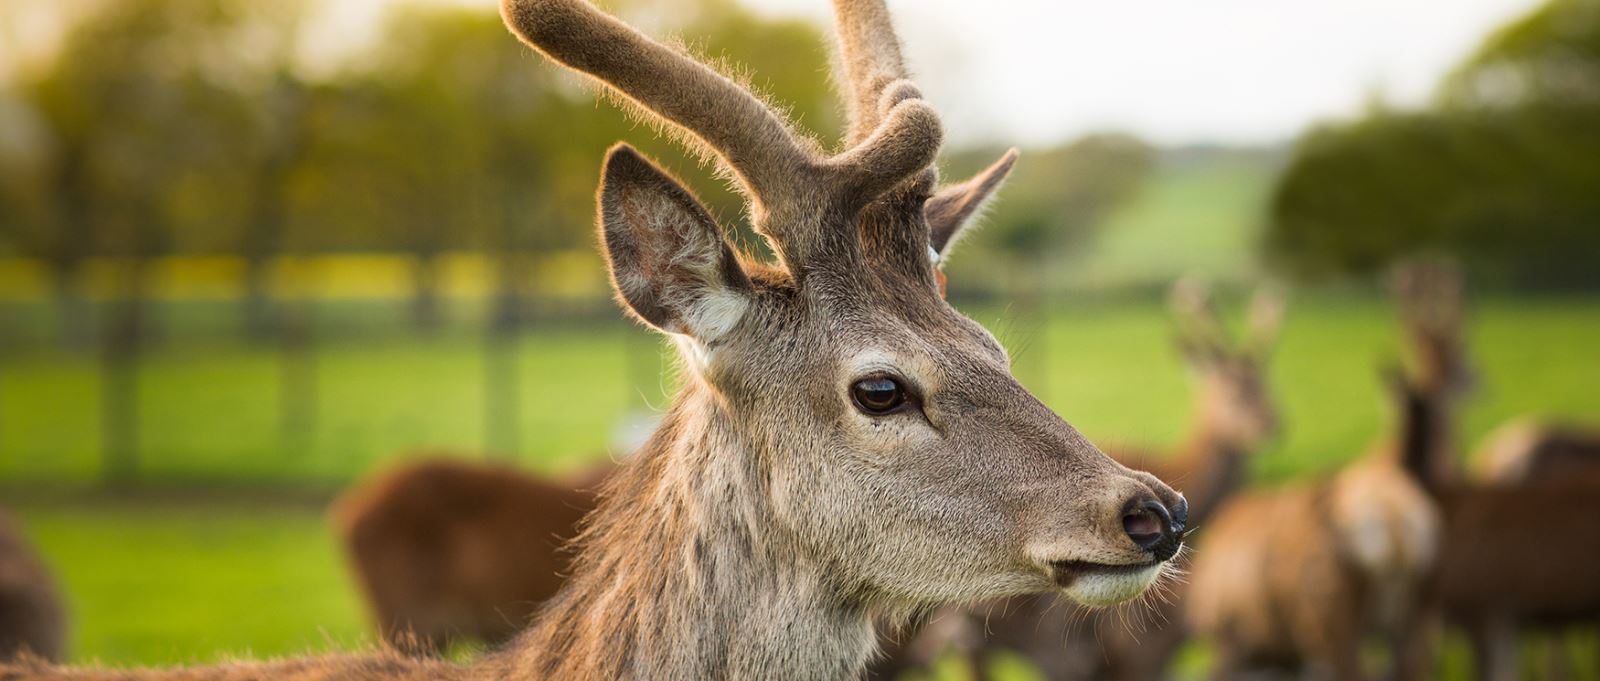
x=890, y=441
x=1235, y=403
x=1428, y=298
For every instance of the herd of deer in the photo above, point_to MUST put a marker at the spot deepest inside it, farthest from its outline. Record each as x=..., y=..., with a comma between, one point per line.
x=850, y=463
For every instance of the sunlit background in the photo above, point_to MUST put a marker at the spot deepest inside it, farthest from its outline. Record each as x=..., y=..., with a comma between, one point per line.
x=251, y=252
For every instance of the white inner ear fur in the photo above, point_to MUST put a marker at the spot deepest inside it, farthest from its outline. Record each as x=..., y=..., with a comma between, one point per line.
x=715, y=313
x=708, y=318
x=690, y=282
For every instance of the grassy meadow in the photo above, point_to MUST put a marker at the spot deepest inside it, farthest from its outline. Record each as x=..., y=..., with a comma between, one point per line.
x=252, y=547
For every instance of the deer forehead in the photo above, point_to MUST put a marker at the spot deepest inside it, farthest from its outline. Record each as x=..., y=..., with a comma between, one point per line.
x=945, y=360
x=893, y=360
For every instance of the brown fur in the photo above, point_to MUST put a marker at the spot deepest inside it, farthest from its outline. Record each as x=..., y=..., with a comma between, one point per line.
x=32, y=618
x=772, y=516
x=1514, y=555
x=448, y=551
x=1233, y=415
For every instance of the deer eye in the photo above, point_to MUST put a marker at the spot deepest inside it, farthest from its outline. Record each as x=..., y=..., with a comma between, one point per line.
x=878, y=395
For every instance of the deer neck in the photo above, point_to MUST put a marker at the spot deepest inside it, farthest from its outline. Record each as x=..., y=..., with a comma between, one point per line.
x=681, y=574
x=1425, y=443
x=1213, y=466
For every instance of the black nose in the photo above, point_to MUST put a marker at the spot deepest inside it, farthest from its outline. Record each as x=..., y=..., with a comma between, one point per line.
x=1180, y=516
x=1154, y=528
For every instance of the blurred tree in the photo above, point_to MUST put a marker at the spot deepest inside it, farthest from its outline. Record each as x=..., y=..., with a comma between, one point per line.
x=453, y=136
x=1055, y=202
x=144, y=113
x=1501, y=172
x=1550, y=55
x=142, y=108
x=1049, y=213
x=185, y=127
x=1052, y=207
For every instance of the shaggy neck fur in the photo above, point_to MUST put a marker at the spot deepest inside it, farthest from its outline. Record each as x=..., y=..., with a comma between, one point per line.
x=685, y=574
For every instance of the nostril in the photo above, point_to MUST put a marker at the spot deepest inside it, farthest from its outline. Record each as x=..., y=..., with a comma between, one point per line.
x=1145, y=525
x=1160, y=512
x=1180, y=515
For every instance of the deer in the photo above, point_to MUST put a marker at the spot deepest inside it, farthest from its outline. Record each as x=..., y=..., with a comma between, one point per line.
x=1505, y=562
x=1297, y=578
x=448, y=551
x=33, y=620
x=1233, y=416
x=845, y=446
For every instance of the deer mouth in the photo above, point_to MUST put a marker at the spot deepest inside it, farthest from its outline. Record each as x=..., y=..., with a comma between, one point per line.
x=1101, y=584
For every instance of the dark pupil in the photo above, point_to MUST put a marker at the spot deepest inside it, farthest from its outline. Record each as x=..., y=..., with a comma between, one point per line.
x=877, y=394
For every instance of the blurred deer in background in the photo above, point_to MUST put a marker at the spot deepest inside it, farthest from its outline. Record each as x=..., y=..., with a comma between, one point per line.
x=845, y=447
x=448, y=551
x=1233, y=416
x=32, y=618
x=1298, y=578
x=1428, y=295
x=1521, y=550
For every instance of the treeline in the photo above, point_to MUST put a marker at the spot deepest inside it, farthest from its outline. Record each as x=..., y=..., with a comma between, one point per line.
x=187, y=126
x=1502, y=170
x=170, y=127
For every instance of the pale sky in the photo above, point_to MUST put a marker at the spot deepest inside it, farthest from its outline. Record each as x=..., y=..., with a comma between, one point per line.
x=1177, y=71
x=1174, y=71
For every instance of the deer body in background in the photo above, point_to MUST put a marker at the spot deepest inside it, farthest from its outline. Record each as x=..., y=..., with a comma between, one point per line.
x=1520, y=548
x=1233, y=415
x=32, y=617
x=846, y=445
x=448, y=551
x=1298, y=578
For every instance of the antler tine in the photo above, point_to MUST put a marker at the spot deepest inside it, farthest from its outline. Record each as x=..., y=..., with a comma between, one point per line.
x=754, y=141
x=891, y=126
x=779, y=168
x=1266, y=317
x=1428, y=295
x=872, y=62
x=1196, y=312
x=1446, y=280
x=1407, y=287
x=894, y=133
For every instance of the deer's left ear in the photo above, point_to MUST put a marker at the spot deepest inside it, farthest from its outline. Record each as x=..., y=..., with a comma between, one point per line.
x=957, y=206
x=669, y=261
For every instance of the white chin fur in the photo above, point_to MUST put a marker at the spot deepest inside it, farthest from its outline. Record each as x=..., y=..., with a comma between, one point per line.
x=1097, y=590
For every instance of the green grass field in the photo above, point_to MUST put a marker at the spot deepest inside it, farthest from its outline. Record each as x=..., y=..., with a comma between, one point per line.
x=1196, y=217
x=175, y=573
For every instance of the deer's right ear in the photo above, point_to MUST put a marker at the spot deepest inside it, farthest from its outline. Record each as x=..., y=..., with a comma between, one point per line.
x=958, y=206
x=669, y=261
